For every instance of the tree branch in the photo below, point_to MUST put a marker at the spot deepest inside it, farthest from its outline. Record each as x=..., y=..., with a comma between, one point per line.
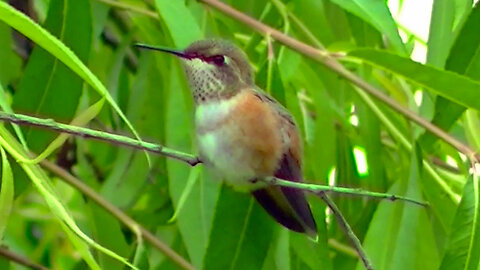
x=14, y=257
x=185, y=157
x=342, y=222
x=117, y=213
x=324, y=58
x=191, y=160
x=318, y=189
x=99, y=135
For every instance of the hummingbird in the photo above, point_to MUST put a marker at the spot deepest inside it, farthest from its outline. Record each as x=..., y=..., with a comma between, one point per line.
x=243, y=134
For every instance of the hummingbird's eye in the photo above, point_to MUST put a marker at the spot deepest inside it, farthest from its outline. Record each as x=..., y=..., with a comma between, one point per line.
x=218, y=60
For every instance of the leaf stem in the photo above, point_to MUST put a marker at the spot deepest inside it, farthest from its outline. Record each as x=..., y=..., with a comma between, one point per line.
x=14, y=257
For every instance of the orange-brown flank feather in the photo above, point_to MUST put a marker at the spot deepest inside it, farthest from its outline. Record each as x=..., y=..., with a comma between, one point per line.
x=243, y=134
x=260, y=134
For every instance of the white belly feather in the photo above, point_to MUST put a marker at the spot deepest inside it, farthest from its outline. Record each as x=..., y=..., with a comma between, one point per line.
x=218, y=146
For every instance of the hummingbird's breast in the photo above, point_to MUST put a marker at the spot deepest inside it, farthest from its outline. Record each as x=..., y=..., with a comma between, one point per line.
x=239, y=137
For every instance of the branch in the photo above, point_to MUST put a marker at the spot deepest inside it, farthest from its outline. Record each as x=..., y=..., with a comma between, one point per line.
x=117, y=213
x=14, y=257
x=192, y=161
x=185, y=157
x=324, y=58
x=99, y=135
x=342, y=222
x=320, y=189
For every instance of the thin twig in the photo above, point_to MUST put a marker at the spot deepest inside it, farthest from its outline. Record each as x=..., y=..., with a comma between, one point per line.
x=324, y=58
x=99, y=135
x=185, y=157
x=345, y=227
x=14, y=257
x=117, y=213
x=442, y=164
x=314, y=188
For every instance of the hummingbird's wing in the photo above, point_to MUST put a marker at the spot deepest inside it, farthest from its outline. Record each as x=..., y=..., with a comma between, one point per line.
x=287, y=205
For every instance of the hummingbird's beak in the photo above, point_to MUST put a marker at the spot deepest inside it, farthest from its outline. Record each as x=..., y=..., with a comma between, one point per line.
x=163, y=49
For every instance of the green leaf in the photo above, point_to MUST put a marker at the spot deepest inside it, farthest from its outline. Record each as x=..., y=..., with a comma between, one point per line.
x=396, y=229
x=141, y=256
x=6, y=193
x=81, y=247
x=441, y=32
x=192, y=179
x=241, y=233
x=10, y=71
x=453, y=86
x=107, y=231
x=48, y=88
x=464, y=58
x=27, y=27
x=82, y=119
x=313, y=254
x=472, y=128
x=365, y=34
x=6, y=108
x=42, y=183
x=314, y=16
x=270, y=80
x=378, y=15
x=466, y=46
x=180, y=22
x=462, y=249
x=194, y=220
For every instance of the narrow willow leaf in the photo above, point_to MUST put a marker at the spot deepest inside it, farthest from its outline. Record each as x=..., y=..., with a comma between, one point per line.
x=472, y=128
x=82, y=119
x=378, y=15
x=441, y=32
x=48, y=88
x=7, y=108
x=397, y=229
x=81, y=247
x=36, y=33
x=6, y=193
x=270, y=80
x=195, y=219
x=241, y=233
x=140, y=258
x=463, y=245
x=453, y=86
x=107, y=231
x=178, y=18
x=42, y=183
x=464, y=58
x=192, y=179
x=11, y=61
x=466, y=45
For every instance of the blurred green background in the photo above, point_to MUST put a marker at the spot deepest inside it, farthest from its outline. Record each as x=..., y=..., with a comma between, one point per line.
x=350, y=139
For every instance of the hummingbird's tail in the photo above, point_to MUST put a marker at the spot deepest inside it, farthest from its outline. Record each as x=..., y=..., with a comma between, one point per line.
x=289, y=207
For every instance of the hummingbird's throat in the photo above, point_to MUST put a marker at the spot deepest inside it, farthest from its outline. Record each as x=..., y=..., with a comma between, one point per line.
x=205, y=81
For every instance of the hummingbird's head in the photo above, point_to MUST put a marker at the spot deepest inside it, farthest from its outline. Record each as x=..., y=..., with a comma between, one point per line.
x=216, y=69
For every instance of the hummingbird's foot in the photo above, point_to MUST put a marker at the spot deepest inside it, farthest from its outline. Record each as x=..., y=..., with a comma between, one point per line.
x=254, y=180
